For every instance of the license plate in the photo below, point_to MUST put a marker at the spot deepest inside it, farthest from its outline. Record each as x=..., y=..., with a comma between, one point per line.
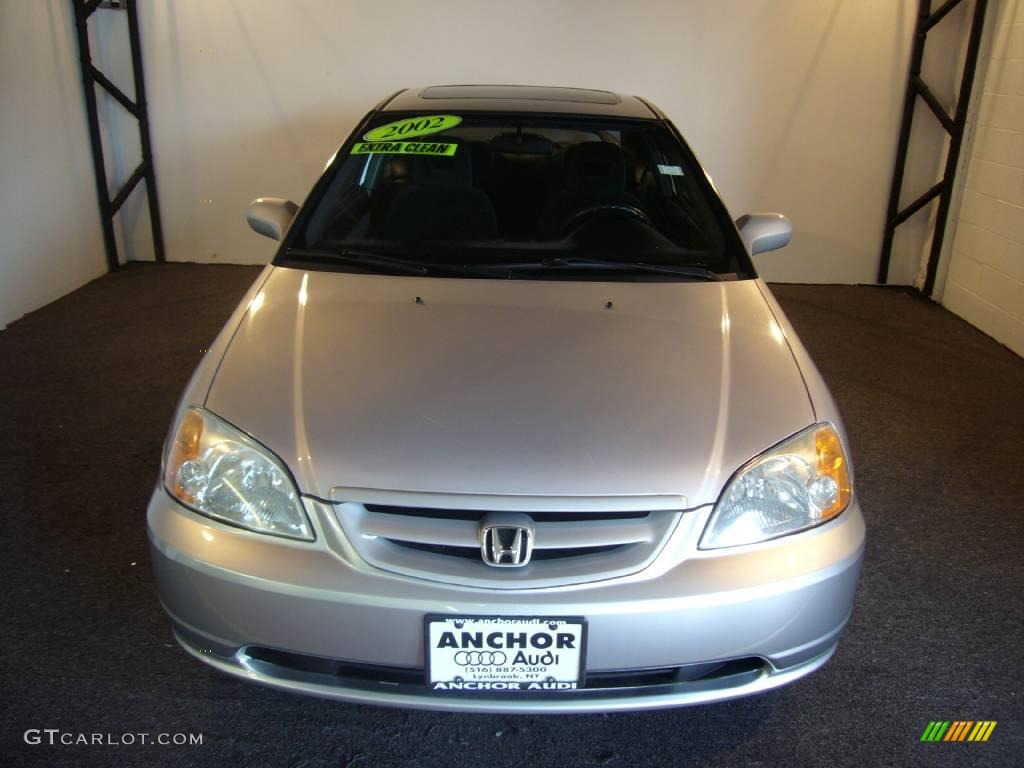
x=504, y=654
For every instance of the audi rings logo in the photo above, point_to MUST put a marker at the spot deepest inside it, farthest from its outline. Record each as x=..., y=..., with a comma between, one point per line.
x=479, y=658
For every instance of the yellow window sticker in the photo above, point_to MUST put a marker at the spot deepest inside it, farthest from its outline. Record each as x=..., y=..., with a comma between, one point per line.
x=405, y=148
x=412, y=126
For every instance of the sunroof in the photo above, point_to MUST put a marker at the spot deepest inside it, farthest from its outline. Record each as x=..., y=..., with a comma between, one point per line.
x=518, y=92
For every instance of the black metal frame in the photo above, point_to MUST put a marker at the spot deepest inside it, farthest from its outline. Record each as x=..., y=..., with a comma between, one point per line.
x=955, y=126
x=91, y=76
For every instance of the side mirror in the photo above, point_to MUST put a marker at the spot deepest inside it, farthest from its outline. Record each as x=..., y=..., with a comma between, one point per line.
x=271, y=216
x=764, y=231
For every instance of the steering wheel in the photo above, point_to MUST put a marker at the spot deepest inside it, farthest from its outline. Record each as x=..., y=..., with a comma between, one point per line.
x=577, y=218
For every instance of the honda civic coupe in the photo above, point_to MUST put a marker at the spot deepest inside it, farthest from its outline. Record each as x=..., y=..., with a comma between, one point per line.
x=510, y=424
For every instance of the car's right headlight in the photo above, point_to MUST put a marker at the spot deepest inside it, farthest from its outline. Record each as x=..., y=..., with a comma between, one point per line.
x=796, y=485
x=218, y=471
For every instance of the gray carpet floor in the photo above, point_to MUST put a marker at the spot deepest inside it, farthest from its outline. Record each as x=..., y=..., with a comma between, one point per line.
x=936, y=415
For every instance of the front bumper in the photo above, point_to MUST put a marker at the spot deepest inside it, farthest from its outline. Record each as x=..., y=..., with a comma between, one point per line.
x=314, y=618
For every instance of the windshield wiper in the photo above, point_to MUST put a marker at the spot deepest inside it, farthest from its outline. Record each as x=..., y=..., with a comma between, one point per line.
x=491, y=269
x=362, y=258
x=371, y=259
x=694, y=271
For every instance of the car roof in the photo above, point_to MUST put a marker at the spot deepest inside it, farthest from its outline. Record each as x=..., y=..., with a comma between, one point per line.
x=519, y=98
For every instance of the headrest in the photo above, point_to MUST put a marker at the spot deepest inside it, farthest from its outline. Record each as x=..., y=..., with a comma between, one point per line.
x=450, y=170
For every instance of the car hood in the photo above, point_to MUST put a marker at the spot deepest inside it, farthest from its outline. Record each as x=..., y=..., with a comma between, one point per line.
x=508, y=387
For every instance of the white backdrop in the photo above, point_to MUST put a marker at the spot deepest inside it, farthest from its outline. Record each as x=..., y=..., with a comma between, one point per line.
x=50, y=241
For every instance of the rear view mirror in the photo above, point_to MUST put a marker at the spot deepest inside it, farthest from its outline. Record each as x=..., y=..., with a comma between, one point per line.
x=271, y=216
x=763, y=232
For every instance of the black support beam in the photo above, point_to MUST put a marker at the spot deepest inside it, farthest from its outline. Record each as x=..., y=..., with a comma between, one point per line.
x=135, y=178
x=934, y=104
x=82, y=12
x=114, y=91
x=91, y=77
x=955, y=126
x=147, y=148
x=918, y=204
x=940, y=13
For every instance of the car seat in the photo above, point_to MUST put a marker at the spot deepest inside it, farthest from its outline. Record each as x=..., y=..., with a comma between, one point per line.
x=439, y=202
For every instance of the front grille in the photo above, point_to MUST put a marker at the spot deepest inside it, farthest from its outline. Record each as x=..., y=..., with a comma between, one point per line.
x=476, y=514
x=731, y=671
x=473, y=553
x=442, y=544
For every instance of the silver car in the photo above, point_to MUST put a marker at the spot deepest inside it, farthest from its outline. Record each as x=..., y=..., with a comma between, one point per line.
x=511, y=425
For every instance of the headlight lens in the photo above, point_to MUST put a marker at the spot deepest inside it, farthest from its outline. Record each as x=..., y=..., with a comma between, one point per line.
x=796, y=485
x=217, y=471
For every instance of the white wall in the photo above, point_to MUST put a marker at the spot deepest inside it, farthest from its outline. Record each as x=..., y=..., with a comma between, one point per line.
x=985, y=282
x=793, y=105
x=50, y=240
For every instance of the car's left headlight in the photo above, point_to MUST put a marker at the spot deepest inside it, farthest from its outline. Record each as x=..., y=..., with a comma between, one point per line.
x=796, y=485
x=218, y=471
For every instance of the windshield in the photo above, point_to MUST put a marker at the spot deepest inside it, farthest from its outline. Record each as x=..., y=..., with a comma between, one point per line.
x=527, y=197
